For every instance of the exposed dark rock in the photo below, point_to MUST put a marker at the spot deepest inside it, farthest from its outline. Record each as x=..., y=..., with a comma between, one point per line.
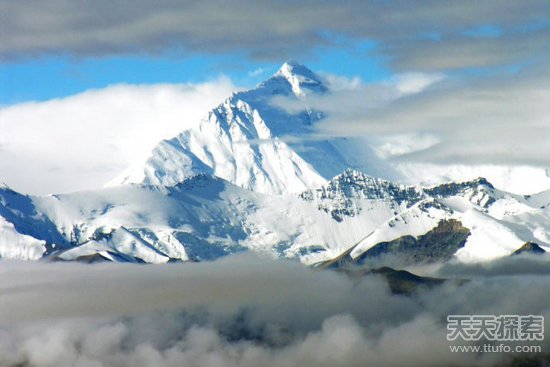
x=338, y=197
x=399, y=281
x=478, y=191
x=404, y=282
x=529, y=248
x=341, y=261
x=86, y=259
x=454, y=188
x=439, y=244
x=92, y=259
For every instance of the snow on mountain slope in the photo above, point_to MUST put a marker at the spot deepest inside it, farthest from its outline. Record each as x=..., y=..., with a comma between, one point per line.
x=202, y=218
x=406, y=210
x=195, y=220
x=500, y=222
x=254, y=176
x=205, y=217
x=25, y=232
x=253, y=142
x=250, y=142
x=14, y=245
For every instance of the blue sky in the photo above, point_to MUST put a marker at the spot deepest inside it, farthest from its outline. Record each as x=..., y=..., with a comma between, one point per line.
x=51, y=76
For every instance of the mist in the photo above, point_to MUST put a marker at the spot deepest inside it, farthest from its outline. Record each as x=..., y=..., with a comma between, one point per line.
x=241, y=311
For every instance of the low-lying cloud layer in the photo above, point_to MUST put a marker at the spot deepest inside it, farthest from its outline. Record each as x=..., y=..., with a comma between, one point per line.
x=240, y=311
x=83, y=141
x=508, y=266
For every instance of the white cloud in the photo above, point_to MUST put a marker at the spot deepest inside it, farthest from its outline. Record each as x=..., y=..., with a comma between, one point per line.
x=432, y=128
x=401, y=144
x=415, y=82
x=487, y=120
x=83, y=141
x=242, y=311
x=257, y=72
x=338, y=83
x=351, y=97
x=519, y=179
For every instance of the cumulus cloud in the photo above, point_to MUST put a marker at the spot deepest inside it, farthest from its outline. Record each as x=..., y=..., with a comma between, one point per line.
x=240, y=311
x=83, y=141
x=430, y=35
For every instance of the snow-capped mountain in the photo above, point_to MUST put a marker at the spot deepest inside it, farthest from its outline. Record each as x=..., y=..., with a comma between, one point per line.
x=236, y=182
x=499, y=222
x=246, y=141
x=206, y=217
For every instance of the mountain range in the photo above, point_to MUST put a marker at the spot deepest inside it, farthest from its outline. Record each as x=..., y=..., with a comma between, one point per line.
x=252, y=176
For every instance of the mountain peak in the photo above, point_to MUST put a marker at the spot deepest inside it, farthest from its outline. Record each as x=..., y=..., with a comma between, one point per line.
x=294, y=68
x=453, y=188
x=301, y=79
x=356, y=184
x=352, y=176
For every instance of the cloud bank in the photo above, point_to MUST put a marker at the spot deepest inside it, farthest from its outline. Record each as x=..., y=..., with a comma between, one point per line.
x=427, y=35
x=83, y=141
x=433, y=127
x=478, y=121
x=241, y=311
